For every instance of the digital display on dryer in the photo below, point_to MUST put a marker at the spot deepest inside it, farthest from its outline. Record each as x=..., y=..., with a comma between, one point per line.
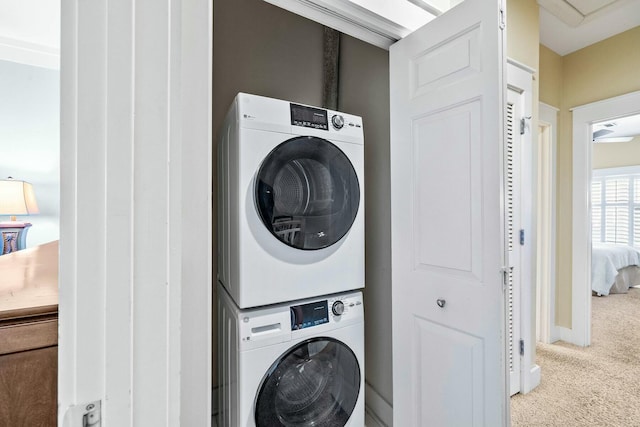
x=309, y=117
x=308, y=315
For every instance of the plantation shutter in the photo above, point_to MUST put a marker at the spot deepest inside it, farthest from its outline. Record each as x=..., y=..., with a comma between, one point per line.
x=617, y=210
x=596, y=211
x=636, y=211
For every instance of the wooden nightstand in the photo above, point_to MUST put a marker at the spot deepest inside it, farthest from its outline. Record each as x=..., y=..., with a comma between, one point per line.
x=14, y=236
x=29, y=337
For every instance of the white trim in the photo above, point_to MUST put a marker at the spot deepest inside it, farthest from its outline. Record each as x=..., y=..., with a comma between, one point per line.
x=563, y=11
x=548, y=116
x=378, y=410
x=550, y=110
x=621, y=170
x=520, y=65
x=521, y=80
x=23, y=52
x=195, y=210
x=428, y=7
x=583, y=117
x=560, y=333
x=381, y=27
x=531, y=379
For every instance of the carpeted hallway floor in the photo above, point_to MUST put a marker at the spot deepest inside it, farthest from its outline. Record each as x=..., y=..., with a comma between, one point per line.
x=594, y=386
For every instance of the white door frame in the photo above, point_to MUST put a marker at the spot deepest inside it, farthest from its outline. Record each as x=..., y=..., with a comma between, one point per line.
x=546, y=317
x=135, y=227
x=583, y=117
x=520, y=79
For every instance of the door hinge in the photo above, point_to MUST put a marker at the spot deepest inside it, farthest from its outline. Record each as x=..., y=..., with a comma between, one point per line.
x=505, y=277
x=84, y=415
x=521, y=237
x=523, y=124
x=521, y=347
x=502, y=21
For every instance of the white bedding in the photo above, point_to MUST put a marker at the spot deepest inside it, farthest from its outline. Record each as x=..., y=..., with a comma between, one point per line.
x=606, y=261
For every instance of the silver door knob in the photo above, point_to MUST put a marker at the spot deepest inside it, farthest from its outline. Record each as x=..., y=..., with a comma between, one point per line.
x=441, y=302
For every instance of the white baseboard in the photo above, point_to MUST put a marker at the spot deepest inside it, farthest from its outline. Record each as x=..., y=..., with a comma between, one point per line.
x=533, y=379
x=560, y=333
x=378, y=412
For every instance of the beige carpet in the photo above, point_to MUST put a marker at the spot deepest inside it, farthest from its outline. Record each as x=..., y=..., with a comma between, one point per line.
x=594, y=386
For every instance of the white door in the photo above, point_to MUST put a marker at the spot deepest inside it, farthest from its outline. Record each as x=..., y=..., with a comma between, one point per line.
x=448, y=247
x=512, y=217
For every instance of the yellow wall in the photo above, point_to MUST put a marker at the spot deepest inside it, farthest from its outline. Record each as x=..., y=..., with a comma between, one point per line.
x=550, y=77
x=551, y=93
x=523, y=35
x=603, y=70
x=523, y=43
x=616, y=154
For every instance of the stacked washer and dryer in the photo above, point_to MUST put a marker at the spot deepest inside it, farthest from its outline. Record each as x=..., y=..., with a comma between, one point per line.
x=290, y=263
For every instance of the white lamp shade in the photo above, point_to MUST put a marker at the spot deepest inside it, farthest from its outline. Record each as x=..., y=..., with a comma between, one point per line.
x=17, y=198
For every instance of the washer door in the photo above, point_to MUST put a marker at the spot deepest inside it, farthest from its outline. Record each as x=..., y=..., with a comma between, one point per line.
x=316, y=383
x=307, y=193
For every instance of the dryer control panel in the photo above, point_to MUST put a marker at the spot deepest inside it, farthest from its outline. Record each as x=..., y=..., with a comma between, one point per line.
x=309, y=117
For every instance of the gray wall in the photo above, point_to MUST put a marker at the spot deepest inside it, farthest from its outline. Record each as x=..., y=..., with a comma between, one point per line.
x=364, y=90
x=30, y=141
x=265, y=50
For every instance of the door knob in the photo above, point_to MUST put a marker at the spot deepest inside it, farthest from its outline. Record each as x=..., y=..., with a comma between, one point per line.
x=441, y=302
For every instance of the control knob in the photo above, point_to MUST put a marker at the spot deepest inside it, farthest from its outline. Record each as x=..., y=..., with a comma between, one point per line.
x=337, y=308
x=337, y=121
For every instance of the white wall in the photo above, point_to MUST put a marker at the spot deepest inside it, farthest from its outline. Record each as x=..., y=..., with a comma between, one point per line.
x=30, y=140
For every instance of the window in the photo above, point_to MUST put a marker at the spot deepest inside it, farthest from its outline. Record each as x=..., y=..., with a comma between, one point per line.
x=615, y=206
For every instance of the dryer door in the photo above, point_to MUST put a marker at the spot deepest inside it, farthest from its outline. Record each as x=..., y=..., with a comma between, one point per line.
x=316, y=383
x=307, y=193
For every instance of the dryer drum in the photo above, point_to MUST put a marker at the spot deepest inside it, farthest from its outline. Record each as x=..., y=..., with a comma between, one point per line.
x=307, y=193
x=305, y=187
x=316, y=383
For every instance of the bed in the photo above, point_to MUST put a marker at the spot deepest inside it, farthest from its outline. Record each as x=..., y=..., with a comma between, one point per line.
x=614, y=268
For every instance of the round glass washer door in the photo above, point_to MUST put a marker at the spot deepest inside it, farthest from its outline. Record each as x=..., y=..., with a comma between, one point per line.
x=316, y=383
x=307, y=193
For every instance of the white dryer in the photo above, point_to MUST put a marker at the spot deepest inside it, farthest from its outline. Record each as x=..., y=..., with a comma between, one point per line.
x=291, y=201
x=297, y=364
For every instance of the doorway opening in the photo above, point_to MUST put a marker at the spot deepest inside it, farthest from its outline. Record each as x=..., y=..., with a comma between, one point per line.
x=583, y=119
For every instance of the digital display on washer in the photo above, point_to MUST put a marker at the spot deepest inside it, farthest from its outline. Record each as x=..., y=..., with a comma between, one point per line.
x=308, y=315
x=309, y=117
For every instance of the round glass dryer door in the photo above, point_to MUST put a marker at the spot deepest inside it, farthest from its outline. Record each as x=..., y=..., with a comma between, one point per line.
x=316, y=383
x=307, y=193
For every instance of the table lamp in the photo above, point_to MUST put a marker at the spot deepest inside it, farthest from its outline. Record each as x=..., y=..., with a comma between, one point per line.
x=16, y=198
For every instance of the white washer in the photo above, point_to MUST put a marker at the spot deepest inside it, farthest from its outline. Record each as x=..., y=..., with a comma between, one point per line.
x=296, y=364
x=291, y=201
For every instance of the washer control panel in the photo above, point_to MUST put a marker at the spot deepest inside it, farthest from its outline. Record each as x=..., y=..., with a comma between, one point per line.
x=331, y=309
x=337, y=121
x=337, y=308
x=308, y=315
